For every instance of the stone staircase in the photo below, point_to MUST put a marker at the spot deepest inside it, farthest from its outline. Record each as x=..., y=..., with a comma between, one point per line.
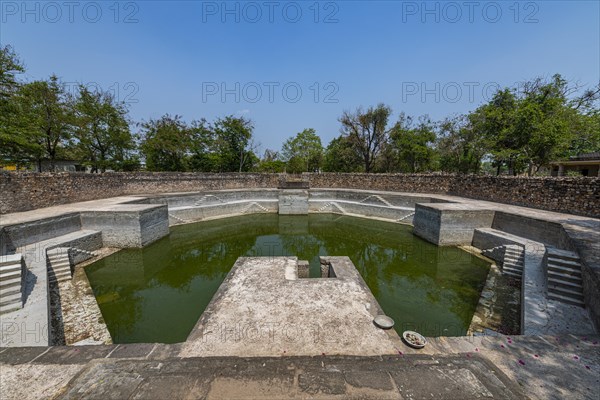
x=564, y=277
x=412, y=214
x=378, y=198
x=510, y=257
x=179, y=220
x=204, y=198
x=331, y=205
x=80, y=255
x=12, y=276
x=514, y=260
x=254, y=205
x=59, y=265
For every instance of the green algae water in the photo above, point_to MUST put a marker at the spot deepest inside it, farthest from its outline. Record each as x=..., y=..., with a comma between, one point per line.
x=157, y=294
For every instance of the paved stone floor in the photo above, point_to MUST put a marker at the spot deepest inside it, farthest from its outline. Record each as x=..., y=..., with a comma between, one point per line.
x=501, y=367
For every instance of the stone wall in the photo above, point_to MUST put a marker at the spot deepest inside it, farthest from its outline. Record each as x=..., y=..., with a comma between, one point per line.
x=572, y=195
x=27, y=191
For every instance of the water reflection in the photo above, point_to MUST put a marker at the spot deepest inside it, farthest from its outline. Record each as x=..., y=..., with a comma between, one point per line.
x=158, y=293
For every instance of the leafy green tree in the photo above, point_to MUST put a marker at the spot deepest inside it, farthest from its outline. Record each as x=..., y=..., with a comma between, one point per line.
x=494, y=123
x=234, y=144
x=166, y=143
x=14, y=145
x=525, y=129
x=102, y=131
x=303, y=152
x=414, y=143
x=271, y=162
x=47, y=119
x=460, y=147
x=203, y=147
x=341, y=156
x=367, y=131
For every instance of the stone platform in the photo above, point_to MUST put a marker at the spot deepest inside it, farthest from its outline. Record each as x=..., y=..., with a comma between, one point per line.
x=263, y=308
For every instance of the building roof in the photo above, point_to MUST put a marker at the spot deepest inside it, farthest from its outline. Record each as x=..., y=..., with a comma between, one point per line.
x=586, y=157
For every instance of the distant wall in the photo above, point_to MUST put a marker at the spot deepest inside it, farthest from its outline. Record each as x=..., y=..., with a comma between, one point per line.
x=27, y=191
x=572, y=195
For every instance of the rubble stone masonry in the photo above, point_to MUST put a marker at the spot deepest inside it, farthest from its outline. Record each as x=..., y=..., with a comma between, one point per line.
x=28, y=191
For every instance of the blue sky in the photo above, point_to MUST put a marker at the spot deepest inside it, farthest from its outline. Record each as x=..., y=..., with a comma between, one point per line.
x=210, y=59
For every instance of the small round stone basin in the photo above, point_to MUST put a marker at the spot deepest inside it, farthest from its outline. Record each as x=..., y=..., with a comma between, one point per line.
x=383, y=322
x=414, y=339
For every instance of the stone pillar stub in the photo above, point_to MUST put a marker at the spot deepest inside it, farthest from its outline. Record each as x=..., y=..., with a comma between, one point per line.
x=293, y=202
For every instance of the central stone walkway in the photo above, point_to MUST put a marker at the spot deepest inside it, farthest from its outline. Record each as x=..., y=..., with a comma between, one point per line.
x=264, y=308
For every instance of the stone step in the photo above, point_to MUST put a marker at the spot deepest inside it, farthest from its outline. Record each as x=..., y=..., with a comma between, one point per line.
x=570, y=293
x=563, y=262
x=54, y=259
x=512, y=271
x=10, y=283
x=60, y=265
x=10, y=275
x=564, y=270
x=513, y=264
x=7, y=291
x=567, y=300
x=509, y=250
x=565, y=284
x=11, y=298
x=10, y=267
x=508, y=257
x=513, y=274
x=6, y=308
x=10, y=260
x=61, y=274
x=564, y=277
x=59, y=279
x=562, y=254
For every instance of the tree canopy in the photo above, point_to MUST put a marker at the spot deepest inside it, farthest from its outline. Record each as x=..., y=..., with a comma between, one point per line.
x=519, y=130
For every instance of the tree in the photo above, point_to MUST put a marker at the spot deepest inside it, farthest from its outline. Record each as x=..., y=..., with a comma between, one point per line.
x=413, y=143
x=102, y=130
x=494, y=123
x=234, y=143
x=10, y=67
x=460, y=147
x=166, y=144
x=48, y=119
x=203, y=147
x=367, y=132
x=271, y=162
x=303, y=152
x=341, y=156
x=527, y=128
x=14, y=146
